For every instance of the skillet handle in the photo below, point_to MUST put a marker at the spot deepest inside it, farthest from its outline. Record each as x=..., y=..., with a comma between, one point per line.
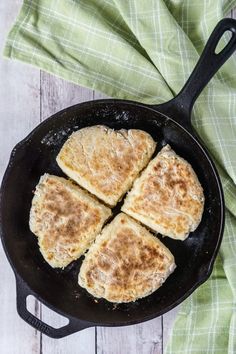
x=209, y=63
x=22, y=291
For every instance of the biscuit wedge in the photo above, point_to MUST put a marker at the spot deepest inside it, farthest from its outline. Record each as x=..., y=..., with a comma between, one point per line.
x=65, y=218
x=125, y=263
x=105, y=161
x=167, y=197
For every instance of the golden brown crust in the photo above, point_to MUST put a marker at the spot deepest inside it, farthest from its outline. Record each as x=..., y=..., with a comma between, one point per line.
x=125, y=263
x=167, y=197
x=65, y=218
x=105, y=161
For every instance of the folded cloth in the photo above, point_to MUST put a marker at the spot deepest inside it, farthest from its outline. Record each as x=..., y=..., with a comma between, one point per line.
x=145, y=50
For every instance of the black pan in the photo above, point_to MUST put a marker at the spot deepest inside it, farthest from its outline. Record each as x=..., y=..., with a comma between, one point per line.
x=35, y=155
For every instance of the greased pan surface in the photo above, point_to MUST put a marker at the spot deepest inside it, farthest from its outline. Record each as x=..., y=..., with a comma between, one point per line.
x=35, y=155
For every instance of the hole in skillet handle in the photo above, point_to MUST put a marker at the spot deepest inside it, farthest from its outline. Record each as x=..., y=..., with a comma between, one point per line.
x=180, y=107
x=224, y=40
x=50, y=317
x=22, y=292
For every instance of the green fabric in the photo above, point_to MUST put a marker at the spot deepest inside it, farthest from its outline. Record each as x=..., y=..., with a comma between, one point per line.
x=145, y=50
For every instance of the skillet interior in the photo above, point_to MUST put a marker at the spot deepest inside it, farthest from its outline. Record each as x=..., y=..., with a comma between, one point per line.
x=59, y=289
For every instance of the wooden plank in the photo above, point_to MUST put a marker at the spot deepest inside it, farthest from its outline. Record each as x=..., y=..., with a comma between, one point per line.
x=57, y=94
x=233, y=13
x=168, y=322
x=143, y=338
x=99, y=95
x=19, y=112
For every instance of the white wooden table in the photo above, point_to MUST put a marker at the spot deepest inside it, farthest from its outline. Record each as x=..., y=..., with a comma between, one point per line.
x=27, y=96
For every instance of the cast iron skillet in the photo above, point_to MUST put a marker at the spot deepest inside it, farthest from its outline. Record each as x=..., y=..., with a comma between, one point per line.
x=35, y=155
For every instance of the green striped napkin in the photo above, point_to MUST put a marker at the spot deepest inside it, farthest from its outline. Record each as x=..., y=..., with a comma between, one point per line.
x=145, y=50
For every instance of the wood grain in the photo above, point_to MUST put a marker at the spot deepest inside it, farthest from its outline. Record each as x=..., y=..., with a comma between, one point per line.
x=233, y=13
x=145, y=338
x=19, y=114
x=168, y=322
x=57, y=94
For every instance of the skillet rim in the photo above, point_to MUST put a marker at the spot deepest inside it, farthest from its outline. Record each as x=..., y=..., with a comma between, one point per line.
x=204, y=276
